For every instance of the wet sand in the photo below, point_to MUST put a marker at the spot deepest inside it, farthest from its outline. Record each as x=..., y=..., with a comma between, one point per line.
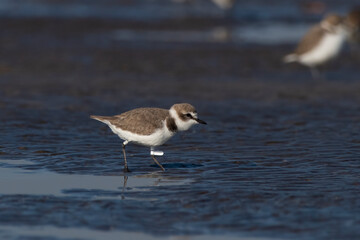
x=83, y=58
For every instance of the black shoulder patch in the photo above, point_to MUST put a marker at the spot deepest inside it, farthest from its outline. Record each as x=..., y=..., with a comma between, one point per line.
x=171, y=125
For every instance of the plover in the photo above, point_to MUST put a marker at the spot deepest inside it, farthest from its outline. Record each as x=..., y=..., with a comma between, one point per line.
x=352, y=20
x=151, y=127
x=320, y=44
x=224, y=4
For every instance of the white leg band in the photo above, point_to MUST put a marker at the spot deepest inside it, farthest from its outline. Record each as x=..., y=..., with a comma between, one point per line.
x=156, y=153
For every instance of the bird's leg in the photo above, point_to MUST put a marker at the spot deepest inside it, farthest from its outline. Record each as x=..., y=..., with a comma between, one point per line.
x=355, y=48
x=126, y=169
x=156, y=161
x=315, y=73
x=157, y=153
x=124, y=186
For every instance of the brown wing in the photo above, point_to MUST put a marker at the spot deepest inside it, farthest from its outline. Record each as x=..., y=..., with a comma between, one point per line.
x=311, y=38
x=142, y=121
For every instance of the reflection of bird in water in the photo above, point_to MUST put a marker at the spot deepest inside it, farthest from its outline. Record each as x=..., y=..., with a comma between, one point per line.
x=320, y=44
x=352, y=21
x=221, y=34
x=124, y=186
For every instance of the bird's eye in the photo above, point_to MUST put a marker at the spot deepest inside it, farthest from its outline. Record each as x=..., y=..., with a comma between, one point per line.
x=189, y=115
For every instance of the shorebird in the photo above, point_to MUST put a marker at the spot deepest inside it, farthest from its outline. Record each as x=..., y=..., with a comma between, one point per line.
x=224, y=4
x=320, y=44
x=151, y=127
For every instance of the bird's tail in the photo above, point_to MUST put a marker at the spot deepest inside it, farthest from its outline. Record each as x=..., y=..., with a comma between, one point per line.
x=99, y=118
x=290, y=58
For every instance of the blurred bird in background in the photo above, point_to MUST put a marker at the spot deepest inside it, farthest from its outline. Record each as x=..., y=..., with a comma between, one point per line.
x=322, y=43
x=222, y=4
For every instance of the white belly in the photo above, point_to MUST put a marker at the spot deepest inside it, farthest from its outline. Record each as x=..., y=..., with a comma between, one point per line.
x=328, y=48
x=159, y=137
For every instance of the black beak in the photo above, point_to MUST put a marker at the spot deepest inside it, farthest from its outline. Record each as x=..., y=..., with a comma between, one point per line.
x=200, y=121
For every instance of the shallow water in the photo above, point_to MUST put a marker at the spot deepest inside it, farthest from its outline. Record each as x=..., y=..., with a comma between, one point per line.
x=277, y=170
x=279, y=158
x=59, y=185
x=80, y=233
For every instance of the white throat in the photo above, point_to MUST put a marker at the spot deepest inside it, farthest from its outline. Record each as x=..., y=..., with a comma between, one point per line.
x=181, y=125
